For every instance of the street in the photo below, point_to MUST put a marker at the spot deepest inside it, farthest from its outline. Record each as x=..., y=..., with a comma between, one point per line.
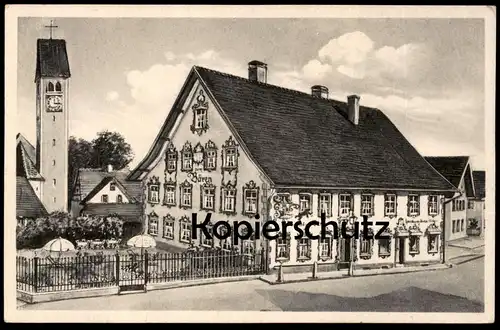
x=459, y=289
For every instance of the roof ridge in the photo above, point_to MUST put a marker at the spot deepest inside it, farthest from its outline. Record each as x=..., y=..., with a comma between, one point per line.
x=329, y=100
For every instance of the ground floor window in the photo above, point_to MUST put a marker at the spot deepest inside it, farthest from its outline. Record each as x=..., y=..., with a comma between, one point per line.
x=153, y=224
x=384, y=247
x=414, y=244
x=205, y=240
x=168, y=227
x=433, y=243
x=225, y=243
x=366, y=245
x=283, y=248
x=325, y=248
x=303, y=249
x=185, y=230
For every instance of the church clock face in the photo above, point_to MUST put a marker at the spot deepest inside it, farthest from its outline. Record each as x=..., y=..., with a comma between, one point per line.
x=54, y=103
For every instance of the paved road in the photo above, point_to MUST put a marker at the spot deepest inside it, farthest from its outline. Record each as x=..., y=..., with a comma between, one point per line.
x=459, y=289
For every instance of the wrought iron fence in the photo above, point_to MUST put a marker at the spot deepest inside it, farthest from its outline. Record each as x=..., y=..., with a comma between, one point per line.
x=131, y=270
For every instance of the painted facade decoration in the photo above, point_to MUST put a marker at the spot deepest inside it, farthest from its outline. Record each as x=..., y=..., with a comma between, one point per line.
x=228, y=156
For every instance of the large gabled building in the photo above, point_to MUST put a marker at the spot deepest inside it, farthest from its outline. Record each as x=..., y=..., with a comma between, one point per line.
x=241, y=147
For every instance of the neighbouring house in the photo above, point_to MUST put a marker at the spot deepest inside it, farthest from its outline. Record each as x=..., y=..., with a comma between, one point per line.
x=28, y=183
x=103, y=192
x=456, y=169
x=243, y=149
x=476, y=206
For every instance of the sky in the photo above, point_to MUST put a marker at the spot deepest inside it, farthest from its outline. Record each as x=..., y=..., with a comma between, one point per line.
x=426, y=75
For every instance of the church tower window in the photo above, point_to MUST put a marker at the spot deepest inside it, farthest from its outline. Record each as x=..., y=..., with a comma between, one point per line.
x=58, y=87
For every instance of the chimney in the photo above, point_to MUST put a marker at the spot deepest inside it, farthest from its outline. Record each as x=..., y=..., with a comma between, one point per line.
x=353, y=108
x=319, y=91
x=110, y=168
x=257, y=71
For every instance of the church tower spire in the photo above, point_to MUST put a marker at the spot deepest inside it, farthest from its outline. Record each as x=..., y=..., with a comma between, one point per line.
x=52, y=78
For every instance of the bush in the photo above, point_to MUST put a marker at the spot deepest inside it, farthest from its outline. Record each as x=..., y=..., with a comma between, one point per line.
x=38, y=232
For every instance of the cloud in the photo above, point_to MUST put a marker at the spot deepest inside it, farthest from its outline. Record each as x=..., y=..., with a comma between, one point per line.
x=112, y=96
x=355, y=56
x=314, y=69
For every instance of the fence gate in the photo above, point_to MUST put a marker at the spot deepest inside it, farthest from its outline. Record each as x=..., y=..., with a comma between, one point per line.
x=131, y=270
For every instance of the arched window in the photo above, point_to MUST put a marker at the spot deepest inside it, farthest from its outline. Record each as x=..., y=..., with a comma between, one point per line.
x=58, y=87
x=50, y=87
x=53, y=142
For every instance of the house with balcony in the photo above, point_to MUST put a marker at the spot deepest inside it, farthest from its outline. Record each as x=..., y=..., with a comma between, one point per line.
x=240, y=148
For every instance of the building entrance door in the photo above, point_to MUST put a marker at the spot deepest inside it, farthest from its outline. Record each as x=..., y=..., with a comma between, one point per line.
x=401, y=250
x=344, y=253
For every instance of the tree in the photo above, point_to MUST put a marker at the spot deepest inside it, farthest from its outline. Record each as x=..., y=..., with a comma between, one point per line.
x=110, y=148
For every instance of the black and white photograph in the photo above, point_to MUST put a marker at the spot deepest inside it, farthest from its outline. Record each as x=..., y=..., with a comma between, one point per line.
x=211, y=160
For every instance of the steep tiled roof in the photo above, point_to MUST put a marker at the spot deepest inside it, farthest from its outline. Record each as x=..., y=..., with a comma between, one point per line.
x=479, y=183
x=129, y=212
x=25, y=159
x=52, y=59
x=452, y=168
x=90, y=178
x=27, y=203
x=300, y=140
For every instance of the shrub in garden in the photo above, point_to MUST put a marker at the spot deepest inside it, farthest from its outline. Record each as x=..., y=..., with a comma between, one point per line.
x=35, y=234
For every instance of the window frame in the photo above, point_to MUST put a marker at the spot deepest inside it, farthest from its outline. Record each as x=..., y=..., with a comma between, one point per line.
x=430, y=204
x=210, y=147
x=187, y=154
x=169, y=188
x=417, y=241
x=185, y=225
x=104, y=198
x=309, y=201
x=203, y=188
x=171, y=158
x=409, y=205
x=203, y=238
x=169, y=219
x=182, y=193
x=284, y=242
x=371, y=201
x=153, y=216
x=351, y=204
x=230, y=144
x=387, y=201
x=227, y=188
x=154, y=181
x=250, y=187
x=366, y=245
x=329, y=244
x=329, y=202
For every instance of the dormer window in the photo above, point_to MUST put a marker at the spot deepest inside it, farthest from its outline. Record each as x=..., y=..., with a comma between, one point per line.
x=230, y=154
x=200, y=114
x=210, y=156
x=187, y=157
x=171, y=158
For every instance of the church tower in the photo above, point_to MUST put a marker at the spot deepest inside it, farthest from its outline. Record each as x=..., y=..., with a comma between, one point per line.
x=52, y=118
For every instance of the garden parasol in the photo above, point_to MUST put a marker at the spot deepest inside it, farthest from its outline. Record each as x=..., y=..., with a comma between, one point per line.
x=59, y=245
x=142, y=241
